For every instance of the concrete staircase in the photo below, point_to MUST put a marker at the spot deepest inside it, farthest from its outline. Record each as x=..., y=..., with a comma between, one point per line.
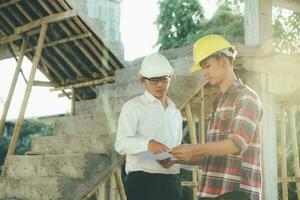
x=67, y=164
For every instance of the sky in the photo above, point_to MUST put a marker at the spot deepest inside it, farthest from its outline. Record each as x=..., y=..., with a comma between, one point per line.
x=138, y=35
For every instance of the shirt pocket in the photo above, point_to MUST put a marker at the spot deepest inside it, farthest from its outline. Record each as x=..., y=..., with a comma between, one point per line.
x=225, y=121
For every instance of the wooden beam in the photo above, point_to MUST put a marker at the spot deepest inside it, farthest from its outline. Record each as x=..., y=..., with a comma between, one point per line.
x=44, y=84
x=19, y=122
x=189, y=183
x=73, y=101
x=12, y=87
x=119, y=183
x=14, y=37
x=3, y=5
x=202, y=118
x=289, y=179
x=59, y=52
x=85, y=84
x=79, y=45
x=46, y=20
x=294, y=140
x=65, y=94
x=290, y=5
x=64, y=40
x=282, y=150
x=94, y=41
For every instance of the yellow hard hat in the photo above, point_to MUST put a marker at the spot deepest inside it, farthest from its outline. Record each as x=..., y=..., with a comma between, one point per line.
x=206, y=46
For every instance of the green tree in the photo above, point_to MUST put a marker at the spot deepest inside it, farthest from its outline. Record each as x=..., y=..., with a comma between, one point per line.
x=30, y=128
x=286, y=32
x=176, y=20
x=224, y=22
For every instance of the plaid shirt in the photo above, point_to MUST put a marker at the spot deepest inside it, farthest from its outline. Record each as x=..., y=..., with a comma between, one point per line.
x=237, y=115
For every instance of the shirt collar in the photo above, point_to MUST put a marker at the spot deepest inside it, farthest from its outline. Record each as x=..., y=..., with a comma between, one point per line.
x=150, y=98
x=233, y=86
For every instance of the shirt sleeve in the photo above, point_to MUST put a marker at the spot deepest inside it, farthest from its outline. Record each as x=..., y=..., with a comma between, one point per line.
x=179, y=128
x=127, y=140
x=247, y=114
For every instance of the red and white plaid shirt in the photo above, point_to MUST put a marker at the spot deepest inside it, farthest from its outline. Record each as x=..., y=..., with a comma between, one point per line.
x=237, y=115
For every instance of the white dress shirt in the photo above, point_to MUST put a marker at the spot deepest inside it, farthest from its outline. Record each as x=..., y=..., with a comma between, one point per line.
x=144, y=118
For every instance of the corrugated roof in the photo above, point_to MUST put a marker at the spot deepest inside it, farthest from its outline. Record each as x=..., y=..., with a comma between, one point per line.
x=72, y=52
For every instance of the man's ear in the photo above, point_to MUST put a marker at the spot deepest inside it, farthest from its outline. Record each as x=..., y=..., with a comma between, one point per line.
x=225, y=62
x=141, y=80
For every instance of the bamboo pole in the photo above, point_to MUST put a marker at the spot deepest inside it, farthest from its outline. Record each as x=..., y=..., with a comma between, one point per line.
x=85, y=84
x=12, y=87
x=19, y=122
x=295, y=148
x=115, y=193
x=193, y=138
x=73, y=102
x=119, y=184
x=202, y=118
x=191, y=124
x=283, y=157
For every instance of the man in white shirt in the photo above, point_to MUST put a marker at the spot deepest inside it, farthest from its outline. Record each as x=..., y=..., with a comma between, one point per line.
x=150, y=124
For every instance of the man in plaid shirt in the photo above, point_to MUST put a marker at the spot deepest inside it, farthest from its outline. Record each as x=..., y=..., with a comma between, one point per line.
x=231, y=156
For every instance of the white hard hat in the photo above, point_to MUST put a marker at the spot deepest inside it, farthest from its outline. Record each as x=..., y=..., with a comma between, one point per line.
x=155, y=65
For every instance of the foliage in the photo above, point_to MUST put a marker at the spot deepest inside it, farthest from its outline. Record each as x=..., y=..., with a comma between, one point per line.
x=30, y=128
x=180, y=31
x=286, y=31
x=176, y=20
x=224, y=22
x=292, y=190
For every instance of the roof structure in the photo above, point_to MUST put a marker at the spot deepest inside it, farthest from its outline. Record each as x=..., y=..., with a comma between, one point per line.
x=73, y=52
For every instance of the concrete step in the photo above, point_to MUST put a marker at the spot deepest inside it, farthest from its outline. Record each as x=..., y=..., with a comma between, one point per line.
x=68, y=144
x=95, y=123
x=59, y=165
x=38, y=188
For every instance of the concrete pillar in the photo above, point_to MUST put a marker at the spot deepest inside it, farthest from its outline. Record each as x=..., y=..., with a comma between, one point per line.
x=259, y=82
x=258, y=19
x=269, y=144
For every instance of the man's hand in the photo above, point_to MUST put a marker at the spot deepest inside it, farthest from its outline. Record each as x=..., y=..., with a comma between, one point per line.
x=187, y=153
x=166, y=163
x=156, y=147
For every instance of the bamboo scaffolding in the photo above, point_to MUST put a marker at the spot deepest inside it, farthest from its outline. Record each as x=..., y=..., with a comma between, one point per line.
x=82, y=49
x=104, y=179
x=62, y=41
x=58, y=51
x=85, y=84
x=9, y=3
x=12, y=87
x=19, y=122
x=94, y=41
x=295, y=148
x=283, y=159
x=73, y=102
x=202, y=118
x=193, y=138
x=119, y=184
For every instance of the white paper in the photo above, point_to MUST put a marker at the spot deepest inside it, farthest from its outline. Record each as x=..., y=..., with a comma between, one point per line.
x=188, y=167
x=164, y=155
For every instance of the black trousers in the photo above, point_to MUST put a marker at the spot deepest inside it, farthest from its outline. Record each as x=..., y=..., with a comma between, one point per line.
x=146, y=186
x=235, y=195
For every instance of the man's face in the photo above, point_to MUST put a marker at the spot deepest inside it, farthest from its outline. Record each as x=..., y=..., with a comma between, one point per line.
x=157, y=86
x=214, y=70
